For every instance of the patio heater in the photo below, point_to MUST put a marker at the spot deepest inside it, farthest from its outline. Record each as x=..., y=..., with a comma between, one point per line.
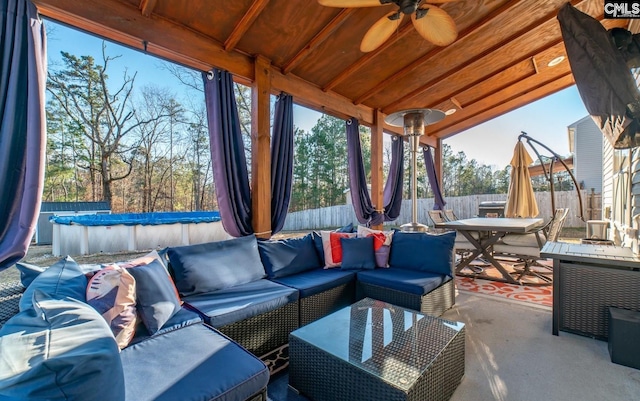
x=414, y=121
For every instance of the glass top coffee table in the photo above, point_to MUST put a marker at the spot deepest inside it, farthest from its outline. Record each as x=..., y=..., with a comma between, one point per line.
x=373, y=350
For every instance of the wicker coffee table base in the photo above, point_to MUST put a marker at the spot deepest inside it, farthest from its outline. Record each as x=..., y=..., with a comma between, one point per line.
x=322, y=376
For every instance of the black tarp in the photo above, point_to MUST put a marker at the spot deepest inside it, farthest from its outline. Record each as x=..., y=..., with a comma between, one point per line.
x=601, y=63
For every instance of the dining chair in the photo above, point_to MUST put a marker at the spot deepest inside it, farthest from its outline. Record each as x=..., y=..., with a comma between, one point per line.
x=526, y=247
x=462, y=245
x=437, y=217
x=450, y=215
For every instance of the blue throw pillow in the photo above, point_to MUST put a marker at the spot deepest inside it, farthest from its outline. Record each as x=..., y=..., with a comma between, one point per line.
x=59, y=349
x=317, y=243
x=346, y=229
x=357, y=253
x=156, y=297
x=214, y=266
x=164, y=258
x=289, y=256
x=424, y=252
x=28, y=272
x=65, y=278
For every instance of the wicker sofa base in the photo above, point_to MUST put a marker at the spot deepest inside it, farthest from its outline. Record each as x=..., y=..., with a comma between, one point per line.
x=266, y=332
x=316, y=306
x=435, y=303
x=10, y=294
x=261, y=396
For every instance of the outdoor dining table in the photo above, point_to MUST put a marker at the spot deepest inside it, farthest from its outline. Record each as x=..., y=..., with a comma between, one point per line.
x=489, y=231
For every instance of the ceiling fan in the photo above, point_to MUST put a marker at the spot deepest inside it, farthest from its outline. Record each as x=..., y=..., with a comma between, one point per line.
x=431, y=22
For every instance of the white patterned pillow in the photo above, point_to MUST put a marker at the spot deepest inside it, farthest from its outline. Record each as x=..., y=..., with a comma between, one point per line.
x=112, y=292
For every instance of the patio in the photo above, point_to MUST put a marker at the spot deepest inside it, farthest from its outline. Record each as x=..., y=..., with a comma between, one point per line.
x=509, y=359
x=504, y=55
x=510, y=351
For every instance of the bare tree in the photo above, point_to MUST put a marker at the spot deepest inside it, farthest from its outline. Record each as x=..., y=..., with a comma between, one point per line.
x=104, y=116
x=153, y=116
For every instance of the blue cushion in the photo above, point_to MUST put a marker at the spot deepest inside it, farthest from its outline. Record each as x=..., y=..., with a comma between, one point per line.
x=28, y=272
x=313, y=282
x=231, y=305
x=424, y=252
x=164, y=257
x=63, y=279
x=411, y=281
x=317, y=243
x=183, y=318
x=191, y=363
x=59, y=349
x=357, y=253
x=213, y=266
x=289, y=256
x=346, y=229
x=156, y=298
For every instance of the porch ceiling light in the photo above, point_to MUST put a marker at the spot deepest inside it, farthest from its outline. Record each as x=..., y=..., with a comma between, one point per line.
x=414, y=121
x=555, y=61
x=450, y=112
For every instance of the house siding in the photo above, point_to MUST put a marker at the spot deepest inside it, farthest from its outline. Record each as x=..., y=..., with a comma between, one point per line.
x=588, y=154
x=607, y=177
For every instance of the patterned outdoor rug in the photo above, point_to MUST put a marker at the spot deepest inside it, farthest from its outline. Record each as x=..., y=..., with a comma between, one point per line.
x=536, y=295
x=277, y=360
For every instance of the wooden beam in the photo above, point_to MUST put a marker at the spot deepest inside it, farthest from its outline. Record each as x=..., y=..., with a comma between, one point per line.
x=537, y=169
x=403, y=72
x=513, y=91
x=486, y=53
x=122, y=23
x=535, y=65
x=377, y=150
x=495, y=106
x=456, y=102
x=405, y=29
x=467, y=71
x=308, y=95
x=244, y=24
x=261, y=148
x=181, y=45
x=147, y=6
x=327, y=31
x=469, y=65
x=429, y=141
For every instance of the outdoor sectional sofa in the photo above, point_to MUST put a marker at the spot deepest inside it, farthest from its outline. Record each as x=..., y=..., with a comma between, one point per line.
x=240, y=299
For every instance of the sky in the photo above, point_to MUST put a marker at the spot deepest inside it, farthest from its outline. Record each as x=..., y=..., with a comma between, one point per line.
x=490, y=143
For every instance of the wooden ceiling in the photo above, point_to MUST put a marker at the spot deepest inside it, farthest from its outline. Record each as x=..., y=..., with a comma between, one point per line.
x=498, y=63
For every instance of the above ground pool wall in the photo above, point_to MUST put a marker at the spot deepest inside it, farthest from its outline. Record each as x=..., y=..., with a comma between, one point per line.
x=75, y=239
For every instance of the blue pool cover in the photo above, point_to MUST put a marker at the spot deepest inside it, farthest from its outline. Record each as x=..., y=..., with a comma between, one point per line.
x=131, y=219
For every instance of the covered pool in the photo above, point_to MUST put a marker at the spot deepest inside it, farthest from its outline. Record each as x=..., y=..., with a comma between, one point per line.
x=89, y=234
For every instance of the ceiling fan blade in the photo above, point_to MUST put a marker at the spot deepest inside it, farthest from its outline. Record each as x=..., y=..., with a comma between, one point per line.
x=440, y=1
x=436, y=26
x=350, y=3
x=380, y=32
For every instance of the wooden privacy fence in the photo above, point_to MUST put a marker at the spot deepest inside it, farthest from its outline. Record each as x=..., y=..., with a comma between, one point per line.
x=463, y=206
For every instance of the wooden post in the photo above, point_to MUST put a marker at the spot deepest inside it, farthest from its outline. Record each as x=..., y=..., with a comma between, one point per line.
x=377, y=186
x=261, y=148
x=438, y=161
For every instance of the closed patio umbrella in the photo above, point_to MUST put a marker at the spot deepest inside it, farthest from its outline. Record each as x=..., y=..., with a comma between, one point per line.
x=521, y=201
